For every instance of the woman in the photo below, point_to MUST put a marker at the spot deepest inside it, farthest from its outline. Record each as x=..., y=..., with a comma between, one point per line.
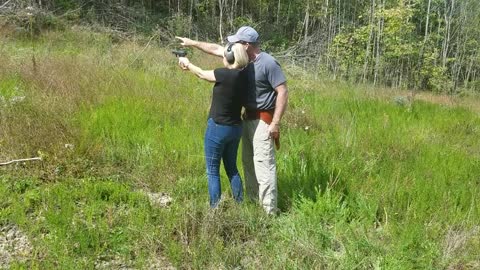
x=224, y=128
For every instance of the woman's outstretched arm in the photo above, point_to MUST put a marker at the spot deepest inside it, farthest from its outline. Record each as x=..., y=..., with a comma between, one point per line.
x=207, y=75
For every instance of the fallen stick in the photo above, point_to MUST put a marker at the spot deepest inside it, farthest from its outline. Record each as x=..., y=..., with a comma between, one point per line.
x=20, y=160
x=5, y=4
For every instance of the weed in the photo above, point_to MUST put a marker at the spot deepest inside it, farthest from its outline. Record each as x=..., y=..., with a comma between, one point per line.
x=363, y=182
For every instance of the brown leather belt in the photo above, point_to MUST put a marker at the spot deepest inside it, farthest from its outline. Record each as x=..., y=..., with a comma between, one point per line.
x=264, y=115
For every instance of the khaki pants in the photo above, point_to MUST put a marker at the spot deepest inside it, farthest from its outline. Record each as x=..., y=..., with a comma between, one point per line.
x=258, y=157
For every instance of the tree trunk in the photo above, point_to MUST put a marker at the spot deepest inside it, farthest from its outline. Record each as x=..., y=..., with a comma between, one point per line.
x=427, y=22
x=278, y=12
x=367, y=49
x=220, y=30
x=233, y=12
x=448, y=23
x=378, y=38
x=190, y=19
x=306, y=21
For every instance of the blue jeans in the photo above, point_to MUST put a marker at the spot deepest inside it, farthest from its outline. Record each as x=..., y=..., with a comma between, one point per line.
x=221, y=143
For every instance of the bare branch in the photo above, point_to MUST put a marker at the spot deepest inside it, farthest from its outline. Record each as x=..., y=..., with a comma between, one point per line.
x=20, y=160
x=5, y=4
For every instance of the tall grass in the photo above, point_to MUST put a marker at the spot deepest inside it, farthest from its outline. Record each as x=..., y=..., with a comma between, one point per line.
x=364, y=181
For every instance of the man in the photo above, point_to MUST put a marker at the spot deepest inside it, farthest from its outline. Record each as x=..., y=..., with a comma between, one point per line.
x=267, y=100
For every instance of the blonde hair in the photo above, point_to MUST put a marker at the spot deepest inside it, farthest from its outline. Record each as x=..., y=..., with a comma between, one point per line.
x=241, y=56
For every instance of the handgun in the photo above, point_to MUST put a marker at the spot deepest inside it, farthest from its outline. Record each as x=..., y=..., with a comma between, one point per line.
x=179, y=53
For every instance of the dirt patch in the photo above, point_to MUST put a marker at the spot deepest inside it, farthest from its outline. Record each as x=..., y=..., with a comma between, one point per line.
x=113, y=263
x=14, y=246
x=158, y=199
x=471, y=103
x=117, y=263
x=159, y=263
x=455, y=243
x=456, y=240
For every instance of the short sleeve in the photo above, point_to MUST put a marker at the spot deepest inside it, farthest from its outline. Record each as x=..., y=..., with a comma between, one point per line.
x=220, y=74
x=275, y=74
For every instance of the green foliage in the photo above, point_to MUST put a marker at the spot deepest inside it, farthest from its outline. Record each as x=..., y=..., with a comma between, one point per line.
x=31, y=24
x=367, y=179
x=77, y=222
x=390, y=43
x=124, y=129
x=179, y=24
x=11, y=87
x=347, y=53
x=65, y=4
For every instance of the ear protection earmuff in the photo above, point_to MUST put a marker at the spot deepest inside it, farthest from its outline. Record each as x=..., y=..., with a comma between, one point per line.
x=229, y=55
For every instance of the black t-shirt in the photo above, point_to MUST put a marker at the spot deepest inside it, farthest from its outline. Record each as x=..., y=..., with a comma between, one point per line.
x=228, y=96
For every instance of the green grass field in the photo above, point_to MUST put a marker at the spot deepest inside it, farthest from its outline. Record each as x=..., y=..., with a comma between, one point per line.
x=367, y=179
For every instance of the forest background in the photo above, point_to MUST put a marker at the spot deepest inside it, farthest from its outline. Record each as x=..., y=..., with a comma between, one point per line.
x=415, y=44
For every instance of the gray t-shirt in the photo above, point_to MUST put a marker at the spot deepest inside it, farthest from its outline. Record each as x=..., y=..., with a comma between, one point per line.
x=265, y=74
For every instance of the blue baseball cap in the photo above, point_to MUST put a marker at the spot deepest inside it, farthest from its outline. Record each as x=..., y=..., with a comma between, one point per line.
x=245, y=33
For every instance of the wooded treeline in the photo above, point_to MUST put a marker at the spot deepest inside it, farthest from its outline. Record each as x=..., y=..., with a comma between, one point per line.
x=415, y=44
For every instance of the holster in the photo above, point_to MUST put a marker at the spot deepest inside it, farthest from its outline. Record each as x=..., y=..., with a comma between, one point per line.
x=264, y=115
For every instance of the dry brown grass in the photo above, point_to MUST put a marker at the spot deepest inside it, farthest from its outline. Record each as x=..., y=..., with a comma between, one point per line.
x=387, y=94
x=53, y=91
x=6, y=29
x=456, y=243
x=471, y=103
